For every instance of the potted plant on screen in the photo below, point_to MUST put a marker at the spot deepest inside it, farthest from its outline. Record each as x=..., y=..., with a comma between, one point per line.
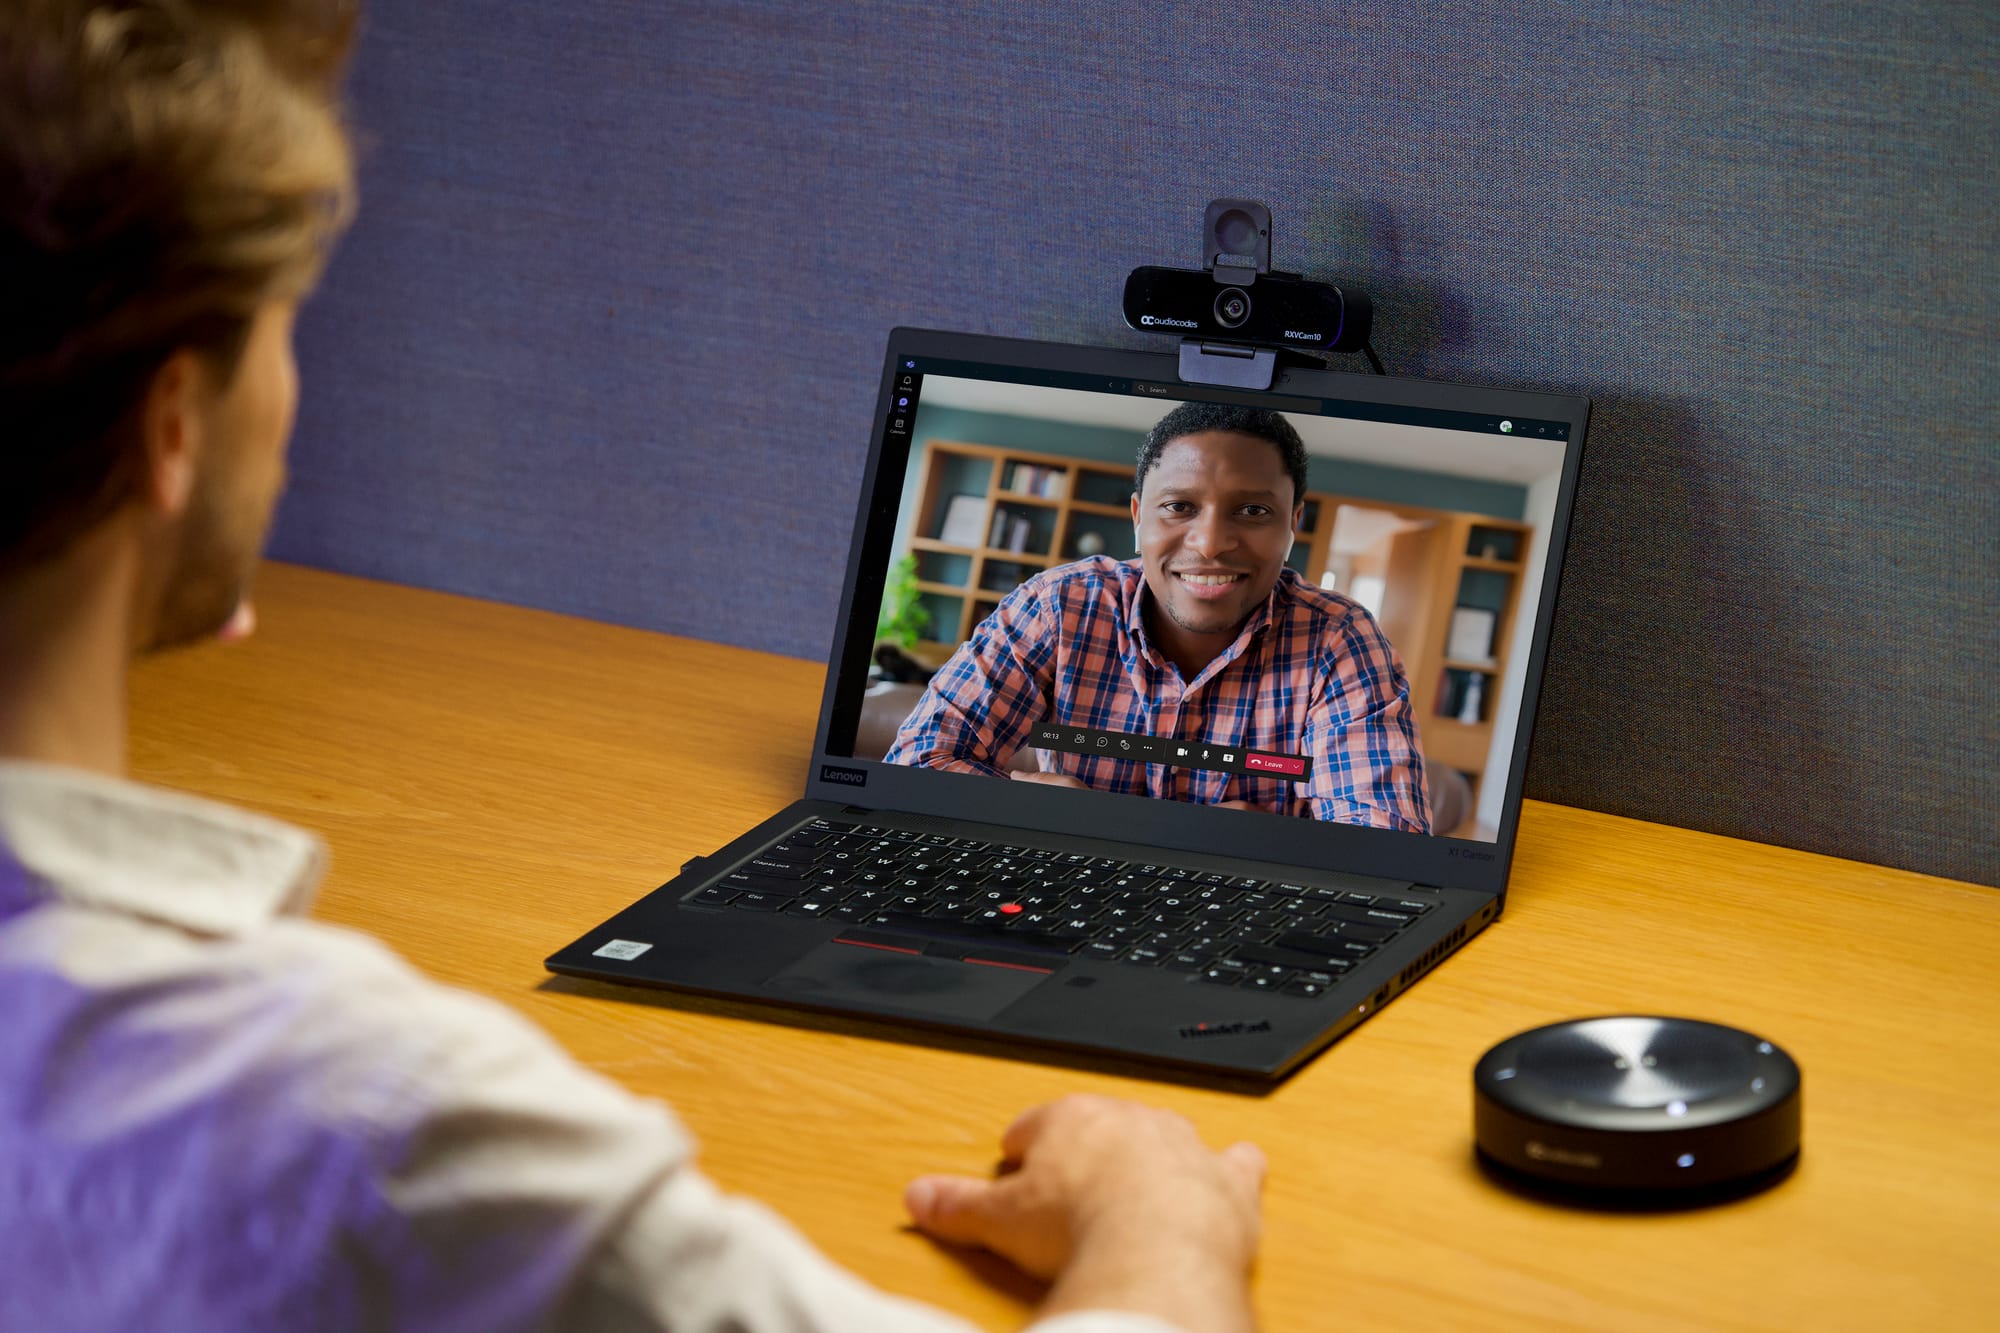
x=901, y=624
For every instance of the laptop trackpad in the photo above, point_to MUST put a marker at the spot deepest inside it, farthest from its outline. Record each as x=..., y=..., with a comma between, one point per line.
x=909, y=981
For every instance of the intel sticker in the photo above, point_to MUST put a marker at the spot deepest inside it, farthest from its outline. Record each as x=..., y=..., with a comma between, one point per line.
x=622, y=950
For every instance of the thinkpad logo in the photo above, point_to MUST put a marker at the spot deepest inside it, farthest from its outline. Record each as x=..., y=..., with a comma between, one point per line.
x=851, y=777
x=1237, y=1029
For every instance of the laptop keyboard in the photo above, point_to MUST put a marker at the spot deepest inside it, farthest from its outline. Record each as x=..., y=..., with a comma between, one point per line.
x=1026, y=906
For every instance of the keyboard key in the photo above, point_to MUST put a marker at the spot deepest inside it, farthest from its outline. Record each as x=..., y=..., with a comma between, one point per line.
x=1355, y=924
x=1186, y=962
x=760, y=902
x=1221, y=976
x=1299, y=986
x=714, y=897
x=745, y=880
x=1414, y=906
x=1283, y=955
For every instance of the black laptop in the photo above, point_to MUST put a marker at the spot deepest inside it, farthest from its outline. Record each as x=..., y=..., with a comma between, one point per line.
x=1181, y=775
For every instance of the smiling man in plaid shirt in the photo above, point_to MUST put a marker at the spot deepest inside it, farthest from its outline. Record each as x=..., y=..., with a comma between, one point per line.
x=1206, y=636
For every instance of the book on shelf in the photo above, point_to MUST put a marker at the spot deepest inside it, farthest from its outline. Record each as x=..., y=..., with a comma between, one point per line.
x=962, y=519
x=1046, y=483
x=1017, y=534
x=1471, y=637
x=997, y=535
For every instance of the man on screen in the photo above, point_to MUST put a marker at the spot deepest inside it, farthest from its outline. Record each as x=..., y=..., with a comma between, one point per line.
x=1206, y=636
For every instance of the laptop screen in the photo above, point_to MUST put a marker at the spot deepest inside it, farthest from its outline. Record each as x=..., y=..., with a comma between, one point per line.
x=1314, y=603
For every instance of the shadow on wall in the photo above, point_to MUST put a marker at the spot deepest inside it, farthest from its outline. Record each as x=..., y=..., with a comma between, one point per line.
x=1675, y=662
x=1413, y=318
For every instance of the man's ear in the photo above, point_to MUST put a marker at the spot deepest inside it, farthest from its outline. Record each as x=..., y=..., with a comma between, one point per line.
x=170, y=421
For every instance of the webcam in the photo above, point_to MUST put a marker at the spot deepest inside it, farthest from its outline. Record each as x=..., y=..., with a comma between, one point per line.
x=1236, y=315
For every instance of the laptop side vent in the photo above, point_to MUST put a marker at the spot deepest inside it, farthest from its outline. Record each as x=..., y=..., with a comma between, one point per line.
x=1437, y=951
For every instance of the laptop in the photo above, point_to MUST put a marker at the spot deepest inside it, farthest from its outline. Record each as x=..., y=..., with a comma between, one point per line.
x=1201, y=775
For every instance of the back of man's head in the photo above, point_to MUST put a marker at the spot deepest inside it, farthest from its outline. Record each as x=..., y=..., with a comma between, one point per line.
x=167, y=167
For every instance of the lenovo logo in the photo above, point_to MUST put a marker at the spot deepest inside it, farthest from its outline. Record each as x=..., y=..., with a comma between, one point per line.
x=848, y=777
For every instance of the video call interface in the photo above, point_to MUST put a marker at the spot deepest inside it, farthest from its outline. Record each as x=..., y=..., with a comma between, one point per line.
x=1352, y=650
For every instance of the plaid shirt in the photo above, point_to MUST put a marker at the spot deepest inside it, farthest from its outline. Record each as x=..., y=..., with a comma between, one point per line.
x=1310, y=673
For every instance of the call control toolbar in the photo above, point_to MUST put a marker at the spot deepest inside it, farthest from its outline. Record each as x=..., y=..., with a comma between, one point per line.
x=1141, y=749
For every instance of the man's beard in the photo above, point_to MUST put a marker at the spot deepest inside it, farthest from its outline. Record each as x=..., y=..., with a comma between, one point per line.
x=210, y=572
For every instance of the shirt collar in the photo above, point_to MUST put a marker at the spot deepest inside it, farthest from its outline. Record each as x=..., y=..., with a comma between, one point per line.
x=76, y=837
x=1137, y=593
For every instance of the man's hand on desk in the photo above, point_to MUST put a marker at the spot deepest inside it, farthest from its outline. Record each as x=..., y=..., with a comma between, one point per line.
x=1120, y=1205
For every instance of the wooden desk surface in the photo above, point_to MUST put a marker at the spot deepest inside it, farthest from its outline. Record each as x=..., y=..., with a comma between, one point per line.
x=494, y=781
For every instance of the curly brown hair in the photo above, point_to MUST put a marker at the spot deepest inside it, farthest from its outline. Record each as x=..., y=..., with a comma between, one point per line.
x=167, y=167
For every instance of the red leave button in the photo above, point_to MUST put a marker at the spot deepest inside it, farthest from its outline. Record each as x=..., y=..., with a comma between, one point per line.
x=1290, y=765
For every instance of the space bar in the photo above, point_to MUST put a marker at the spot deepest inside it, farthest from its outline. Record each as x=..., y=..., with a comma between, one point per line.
x=946, y=929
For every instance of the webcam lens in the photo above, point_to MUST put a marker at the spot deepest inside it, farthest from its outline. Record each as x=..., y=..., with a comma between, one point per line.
x=1232, y=307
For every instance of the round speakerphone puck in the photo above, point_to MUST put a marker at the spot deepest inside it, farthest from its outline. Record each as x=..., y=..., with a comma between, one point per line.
x=1637, y=1110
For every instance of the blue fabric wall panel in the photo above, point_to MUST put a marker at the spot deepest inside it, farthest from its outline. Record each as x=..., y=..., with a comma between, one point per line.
x=604, y=338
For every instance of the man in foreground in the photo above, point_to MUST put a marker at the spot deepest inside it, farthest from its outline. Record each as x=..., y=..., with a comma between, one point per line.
x=1207, y=637
x=217, y=1113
